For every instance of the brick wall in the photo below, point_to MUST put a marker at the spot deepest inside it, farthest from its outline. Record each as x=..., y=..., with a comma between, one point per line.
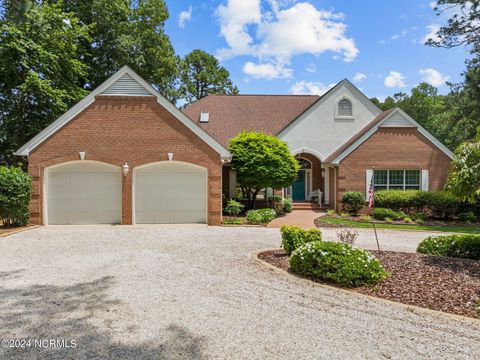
x=119, y=130
x=393, y=148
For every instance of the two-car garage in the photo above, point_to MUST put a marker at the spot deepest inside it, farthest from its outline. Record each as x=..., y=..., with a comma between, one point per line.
x=90, y=192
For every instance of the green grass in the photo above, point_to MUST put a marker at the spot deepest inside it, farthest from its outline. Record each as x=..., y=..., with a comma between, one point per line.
x=360, y=224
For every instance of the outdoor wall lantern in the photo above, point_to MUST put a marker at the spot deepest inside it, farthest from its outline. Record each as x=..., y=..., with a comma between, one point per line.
x=125, y=169
x=82, y=155
x=170, y=156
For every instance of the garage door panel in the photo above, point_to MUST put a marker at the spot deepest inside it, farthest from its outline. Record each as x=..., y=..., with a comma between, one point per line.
x=84, y=193
x=171, y=193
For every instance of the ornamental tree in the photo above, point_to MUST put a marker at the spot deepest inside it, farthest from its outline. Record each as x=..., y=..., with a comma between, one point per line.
x=464, y=175
x=261, y=161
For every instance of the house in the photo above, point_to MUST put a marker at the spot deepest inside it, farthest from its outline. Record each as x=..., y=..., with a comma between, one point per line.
x=124, y=154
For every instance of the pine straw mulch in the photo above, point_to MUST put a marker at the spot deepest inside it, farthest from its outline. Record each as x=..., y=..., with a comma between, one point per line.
x=439, y=283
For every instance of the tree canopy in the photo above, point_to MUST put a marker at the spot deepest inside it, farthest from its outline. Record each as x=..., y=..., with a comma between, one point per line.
x=52, y=53
x=41, y=67
x=464, y=175
x=202, y=75
x=262, y=161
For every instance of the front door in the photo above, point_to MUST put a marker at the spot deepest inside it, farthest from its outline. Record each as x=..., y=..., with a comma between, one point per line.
x=298, y=187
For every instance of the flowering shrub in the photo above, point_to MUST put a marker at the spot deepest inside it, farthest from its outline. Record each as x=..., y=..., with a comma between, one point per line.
x=342, y=263
x=462, y=246
x=293, y=237
x=261, y=216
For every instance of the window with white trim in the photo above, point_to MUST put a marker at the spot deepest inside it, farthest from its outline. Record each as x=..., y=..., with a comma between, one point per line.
x=396, y=179
x=345, y=108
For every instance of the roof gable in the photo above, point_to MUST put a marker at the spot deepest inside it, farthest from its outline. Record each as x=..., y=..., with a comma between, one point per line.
x=391, y=118
x=124, y=82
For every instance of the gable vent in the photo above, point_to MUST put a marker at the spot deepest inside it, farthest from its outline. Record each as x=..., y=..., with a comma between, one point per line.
x=126, y=86
x=204, y=117
x=397, y=120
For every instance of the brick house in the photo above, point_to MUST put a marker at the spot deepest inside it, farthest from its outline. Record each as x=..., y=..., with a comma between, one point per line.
x=125, y=154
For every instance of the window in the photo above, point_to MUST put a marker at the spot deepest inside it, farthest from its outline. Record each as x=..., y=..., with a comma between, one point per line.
x=304, y=163
x=396, y=179
x=345, y=108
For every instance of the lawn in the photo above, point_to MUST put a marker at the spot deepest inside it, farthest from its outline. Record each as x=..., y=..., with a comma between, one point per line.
x=333, y=221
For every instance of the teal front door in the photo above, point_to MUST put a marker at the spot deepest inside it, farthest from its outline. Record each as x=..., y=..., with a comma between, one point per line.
x=298, y=187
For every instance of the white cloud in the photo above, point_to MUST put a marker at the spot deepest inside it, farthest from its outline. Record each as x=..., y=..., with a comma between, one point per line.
x=432, y=4
x=395, y=80
x=267, y=70
x=310, y=88
x=287, y=29
x=184, y=17
x=359, y=77
x=431, y=33
x=433, y=77
x=311, y=68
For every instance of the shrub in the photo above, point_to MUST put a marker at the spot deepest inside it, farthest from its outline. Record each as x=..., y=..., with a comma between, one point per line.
x=287, y=205
x=353, y=202
x=232, y=222
x=408, y=200
x=366, y=218
x=331, y=212
x=261, y=216
x=347, y=235
x=442, y=204
x=407, y=219
x=439, y=204
x=234, y=208
x=469, y=217
x=462, y=246
x=293, y=237
x=341, y=263
x=15, y=191
x=382, y=214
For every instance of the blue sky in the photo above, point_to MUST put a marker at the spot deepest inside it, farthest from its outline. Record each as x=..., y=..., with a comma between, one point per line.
x=305, y=46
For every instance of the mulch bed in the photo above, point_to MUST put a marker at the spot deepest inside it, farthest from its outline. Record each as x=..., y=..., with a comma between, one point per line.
x=439, y=283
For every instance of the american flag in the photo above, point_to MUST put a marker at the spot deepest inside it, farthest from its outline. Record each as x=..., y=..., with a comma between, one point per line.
x=371, y=194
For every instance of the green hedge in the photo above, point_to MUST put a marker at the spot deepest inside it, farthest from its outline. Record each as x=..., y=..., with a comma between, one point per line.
x=462, y=246
x=15, y=191
x=341, y=263
x=438, y=204
x=293, y=237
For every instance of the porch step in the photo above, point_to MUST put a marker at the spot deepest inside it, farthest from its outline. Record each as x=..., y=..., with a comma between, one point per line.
x=305, y=206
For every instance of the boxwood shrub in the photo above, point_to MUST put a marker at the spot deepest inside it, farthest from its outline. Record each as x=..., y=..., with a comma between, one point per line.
x=382, y=214
x=439, y=204
x=342, y=263
x=293, y=237
x=459, y=245
x=261, y=216
x=353, y=202
x=15, y=190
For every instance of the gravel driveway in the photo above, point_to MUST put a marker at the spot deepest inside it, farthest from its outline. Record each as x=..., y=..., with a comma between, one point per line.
x=152, y=293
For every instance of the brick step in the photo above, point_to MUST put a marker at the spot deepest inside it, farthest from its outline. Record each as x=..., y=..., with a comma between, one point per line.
x=305, y=206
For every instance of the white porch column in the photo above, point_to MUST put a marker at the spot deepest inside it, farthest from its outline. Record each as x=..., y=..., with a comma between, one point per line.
x=326, y=183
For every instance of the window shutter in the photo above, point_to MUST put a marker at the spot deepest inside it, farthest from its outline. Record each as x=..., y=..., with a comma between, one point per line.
x=369, y=175
x=232, y=184
x=424, y=180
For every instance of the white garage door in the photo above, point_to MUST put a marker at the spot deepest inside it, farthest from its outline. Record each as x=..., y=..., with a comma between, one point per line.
x=84, y=192
x=170, y=193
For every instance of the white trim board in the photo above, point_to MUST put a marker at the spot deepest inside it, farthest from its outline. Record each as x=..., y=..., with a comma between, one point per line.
x=90, y=98
x=374, y=129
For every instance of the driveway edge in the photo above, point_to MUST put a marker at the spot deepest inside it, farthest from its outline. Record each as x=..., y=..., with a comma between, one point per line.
x=412, y=308
x=26, y=228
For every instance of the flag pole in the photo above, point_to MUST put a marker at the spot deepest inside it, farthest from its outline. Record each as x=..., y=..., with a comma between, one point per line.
x=372, y=202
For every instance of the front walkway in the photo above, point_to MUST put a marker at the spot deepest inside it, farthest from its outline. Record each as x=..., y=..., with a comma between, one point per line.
x=300, y=218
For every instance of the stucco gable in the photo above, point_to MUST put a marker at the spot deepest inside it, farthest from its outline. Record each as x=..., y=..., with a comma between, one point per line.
x=320, y=130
